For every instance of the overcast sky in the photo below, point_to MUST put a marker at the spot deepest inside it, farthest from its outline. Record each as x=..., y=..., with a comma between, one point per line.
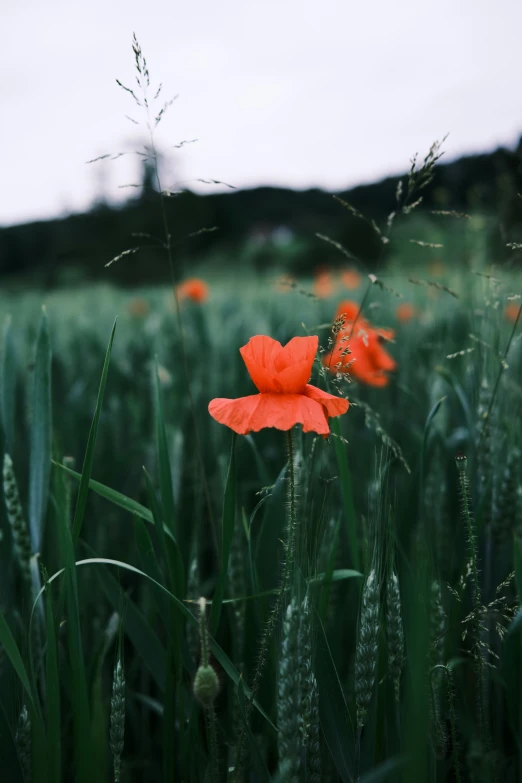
x=295, y=93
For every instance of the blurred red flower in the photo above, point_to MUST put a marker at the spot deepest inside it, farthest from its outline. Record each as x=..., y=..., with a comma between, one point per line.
x=358, y=349
x=511, y=311
x=138, y=307
x=351, y=279
x=405, y=312
x=323, y=285
x=194, y=289
x=285, y=397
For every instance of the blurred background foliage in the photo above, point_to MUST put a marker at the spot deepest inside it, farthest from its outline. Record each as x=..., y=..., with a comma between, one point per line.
x=254, y=229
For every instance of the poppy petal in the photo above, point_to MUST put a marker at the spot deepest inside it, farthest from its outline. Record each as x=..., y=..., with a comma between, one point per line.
x=283, y=411
x=294, y=363
x=334, y=406
x=350, y=310
x=259, y=355
x=236, y=414
x=383, y=360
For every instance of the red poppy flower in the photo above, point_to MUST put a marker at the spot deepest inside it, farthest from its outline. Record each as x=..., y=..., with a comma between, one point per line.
x=350, y=311
x=358, y=349
x=194, y=289
x=285, y=397
x=511, y=311
x=405, y=312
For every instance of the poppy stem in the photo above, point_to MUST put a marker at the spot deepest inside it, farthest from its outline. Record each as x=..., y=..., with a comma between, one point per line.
x=292, y=522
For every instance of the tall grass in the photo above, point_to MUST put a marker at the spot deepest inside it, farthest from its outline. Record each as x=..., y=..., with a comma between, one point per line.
x=313, y=610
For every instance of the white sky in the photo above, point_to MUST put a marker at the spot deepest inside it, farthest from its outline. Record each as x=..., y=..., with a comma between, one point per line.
x=295, y=93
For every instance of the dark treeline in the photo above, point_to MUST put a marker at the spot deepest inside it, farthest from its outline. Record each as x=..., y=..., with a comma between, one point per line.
x=79, y=246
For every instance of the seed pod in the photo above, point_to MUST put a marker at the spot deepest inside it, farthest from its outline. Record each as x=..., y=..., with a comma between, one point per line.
x=367, y=647
x=15, y=515
x=117, y=728
x=206, y=685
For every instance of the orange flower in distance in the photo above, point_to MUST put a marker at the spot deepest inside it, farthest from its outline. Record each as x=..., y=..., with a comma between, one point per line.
x=358, y=350
x=350, y=312
x=138, y=307
x=405, y=312
x=351, y=279
x=194, y=289
x=511, y=311
x=285, y=397
x=323, y=285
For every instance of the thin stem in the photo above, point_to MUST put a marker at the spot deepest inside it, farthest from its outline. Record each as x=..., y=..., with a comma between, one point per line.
x=499, y=376
x=292, y=522
x=203, y=632
x=477, y=604
x=168, y=247
x=210, y=715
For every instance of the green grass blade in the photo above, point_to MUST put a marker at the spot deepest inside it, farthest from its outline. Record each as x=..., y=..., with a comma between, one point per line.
x=10, y=648
x=13, y=653
x=165, y=474
x=168, y=544
x=346, y=493
x=227, y=532
x=145, y=641
x=110, y=494
x=40, y=451
x=83, y=491
x=79, y=686
x=52, y=692
x=117, y=498
x=425, y=449
x=219, y=654
x=8, y=386
x=333, y=710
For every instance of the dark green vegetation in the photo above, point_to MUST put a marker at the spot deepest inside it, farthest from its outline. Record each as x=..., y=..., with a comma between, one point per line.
x=399, y=658
x=77, y=248
x=181, y=604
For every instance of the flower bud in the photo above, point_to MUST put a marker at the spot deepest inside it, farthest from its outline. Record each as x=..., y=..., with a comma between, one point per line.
x=206, y=685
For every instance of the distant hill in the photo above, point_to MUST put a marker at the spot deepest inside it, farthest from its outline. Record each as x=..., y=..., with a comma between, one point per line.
x=80, y=245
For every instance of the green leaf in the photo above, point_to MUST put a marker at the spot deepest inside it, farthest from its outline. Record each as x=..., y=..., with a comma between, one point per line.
x=227, y=532
x=165, y=474
x=219, y=654
x=11, y=650
x=337, y=576
x=8, y=386
x=40, y=450
x=137, y=628
x=83, y=491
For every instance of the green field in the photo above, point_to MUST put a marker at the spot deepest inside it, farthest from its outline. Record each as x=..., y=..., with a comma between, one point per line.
x=367, y=589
